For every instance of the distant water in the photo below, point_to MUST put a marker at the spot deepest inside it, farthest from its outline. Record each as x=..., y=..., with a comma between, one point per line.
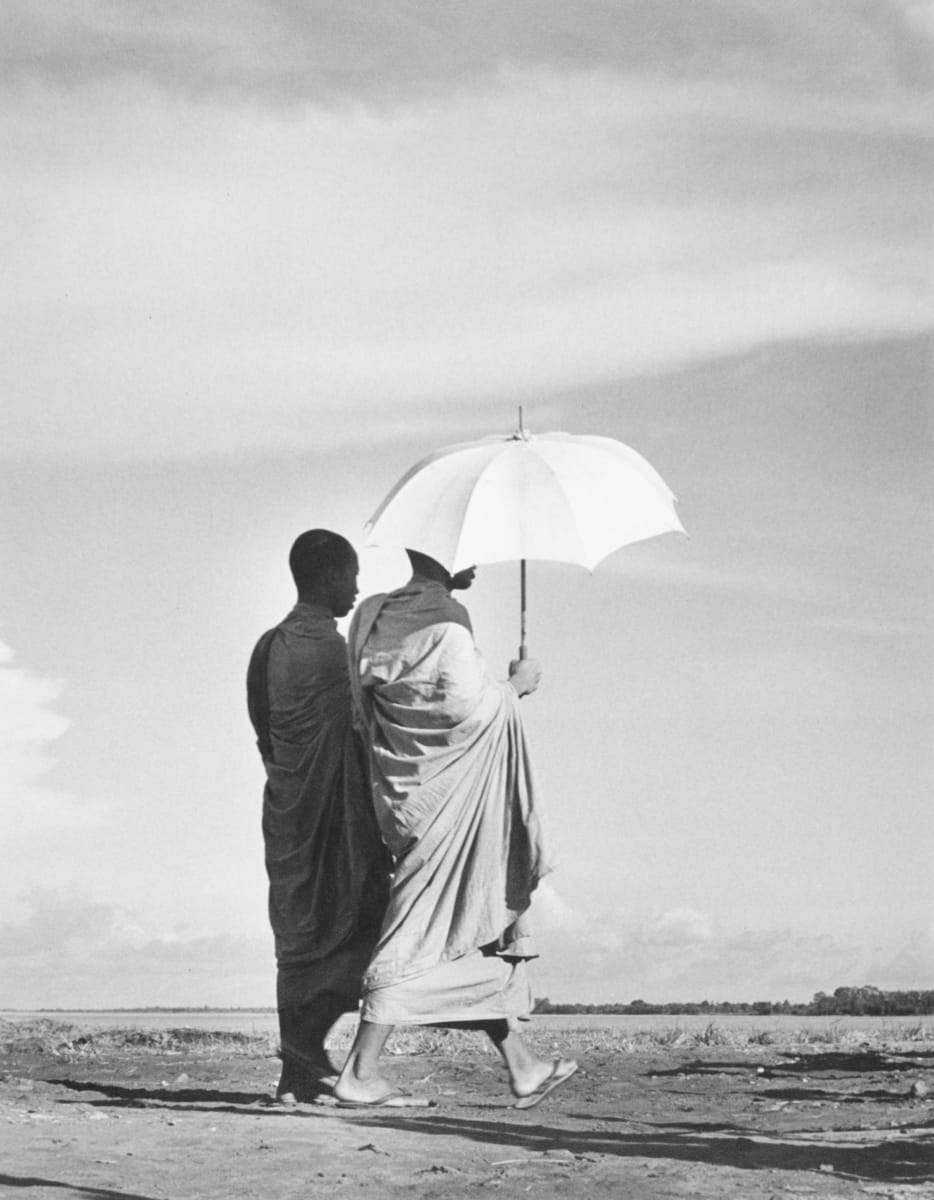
x=265, y=1023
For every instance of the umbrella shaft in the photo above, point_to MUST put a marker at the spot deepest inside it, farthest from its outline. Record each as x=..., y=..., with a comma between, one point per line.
x=523, y=652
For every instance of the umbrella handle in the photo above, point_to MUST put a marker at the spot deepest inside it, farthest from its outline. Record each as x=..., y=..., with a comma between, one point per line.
x=523, y=649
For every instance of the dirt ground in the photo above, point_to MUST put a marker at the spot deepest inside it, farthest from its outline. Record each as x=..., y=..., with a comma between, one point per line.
x=701, y=1122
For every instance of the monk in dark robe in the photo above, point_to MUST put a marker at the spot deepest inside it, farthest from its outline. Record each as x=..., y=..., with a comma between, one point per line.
x=327, y=866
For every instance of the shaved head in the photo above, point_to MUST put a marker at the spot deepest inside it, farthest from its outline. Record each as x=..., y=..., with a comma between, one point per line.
x=315, y=554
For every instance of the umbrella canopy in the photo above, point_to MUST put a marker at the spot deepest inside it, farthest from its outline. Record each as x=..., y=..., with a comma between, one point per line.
x=553, y=496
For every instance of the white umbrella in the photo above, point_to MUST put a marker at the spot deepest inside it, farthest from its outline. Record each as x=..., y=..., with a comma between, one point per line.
x=552, y=496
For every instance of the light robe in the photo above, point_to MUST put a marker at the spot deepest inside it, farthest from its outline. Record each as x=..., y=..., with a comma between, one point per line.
x=456, y=801
x=326, y=864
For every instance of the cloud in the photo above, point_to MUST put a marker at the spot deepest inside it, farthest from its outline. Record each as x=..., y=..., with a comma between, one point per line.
x=266, y=283
x=29, y=730
x=910, y=965
x=679, y=927
x=59, y=922
x=26, y=719
x=919, y=16
x=681, y=954
x=285, y=51
x=72, y=950
x=216, y=278
x=648, y=564
x=29, y=726
x=883, y=627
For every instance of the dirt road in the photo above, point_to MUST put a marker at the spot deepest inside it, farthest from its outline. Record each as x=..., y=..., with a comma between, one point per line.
x=701, y=1122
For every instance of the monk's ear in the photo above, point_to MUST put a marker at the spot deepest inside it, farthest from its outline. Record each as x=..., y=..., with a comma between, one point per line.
x=332, y=576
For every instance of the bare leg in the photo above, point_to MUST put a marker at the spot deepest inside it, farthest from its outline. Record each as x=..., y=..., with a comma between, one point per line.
x=527, y=1071
x=360, y=1080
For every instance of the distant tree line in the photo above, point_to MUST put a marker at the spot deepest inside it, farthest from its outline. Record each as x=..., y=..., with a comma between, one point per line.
x=156, y=1008
x=844, y=1002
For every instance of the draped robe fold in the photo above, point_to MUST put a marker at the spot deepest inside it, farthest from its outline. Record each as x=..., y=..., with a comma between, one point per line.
x=455, y=796
x=325, y=860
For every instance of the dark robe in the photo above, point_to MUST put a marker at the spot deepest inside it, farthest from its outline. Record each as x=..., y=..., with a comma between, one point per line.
x=327, y=866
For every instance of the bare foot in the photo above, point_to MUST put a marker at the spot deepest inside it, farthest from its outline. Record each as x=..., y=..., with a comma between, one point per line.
x=363, y=1091
x=534, y=1084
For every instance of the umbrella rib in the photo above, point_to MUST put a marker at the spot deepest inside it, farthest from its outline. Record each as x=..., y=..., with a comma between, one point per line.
x=473, y=487
x=557, y=481
x=427, y=461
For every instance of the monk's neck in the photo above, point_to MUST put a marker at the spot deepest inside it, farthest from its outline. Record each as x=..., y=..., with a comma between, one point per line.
x=315, y=601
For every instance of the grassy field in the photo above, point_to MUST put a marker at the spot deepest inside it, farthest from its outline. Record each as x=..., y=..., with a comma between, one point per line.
x=72, y=1041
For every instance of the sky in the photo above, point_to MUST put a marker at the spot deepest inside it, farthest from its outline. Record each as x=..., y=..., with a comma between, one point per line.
x=261, y=256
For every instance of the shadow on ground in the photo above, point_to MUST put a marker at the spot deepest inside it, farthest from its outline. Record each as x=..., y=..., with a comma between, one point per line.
x=144, y=1097
x=884, y=1160
x=79, y=1191
x=863, y=1062
x=889, y=1157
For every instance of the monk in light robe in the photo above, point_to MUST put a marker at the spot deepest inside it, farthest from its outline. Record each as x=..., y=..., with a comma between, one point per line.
x=458, y=809
x=326, y=863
